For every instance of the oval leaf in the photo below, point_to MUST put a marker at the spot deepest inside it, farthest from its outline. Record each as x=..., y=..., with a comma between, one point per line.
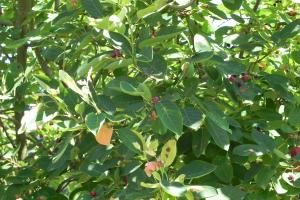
x=170, y=116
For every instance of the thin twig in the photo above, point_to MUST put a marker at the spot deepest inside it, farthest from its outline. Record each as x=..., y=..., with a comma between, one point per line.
x=43, y=63
x=7, y=135
x=64, y=184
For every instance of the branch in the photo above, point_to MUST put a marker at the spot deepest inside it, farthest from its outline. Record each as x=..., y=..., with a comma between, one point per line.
x=64, y=184
x=56, y=5
x=7, y=135
x=43, y=63
x=255, y=7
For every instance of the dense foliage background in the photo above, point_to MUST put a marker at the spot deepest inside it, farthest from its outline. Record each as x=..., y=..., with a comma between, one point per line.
x=201, y=99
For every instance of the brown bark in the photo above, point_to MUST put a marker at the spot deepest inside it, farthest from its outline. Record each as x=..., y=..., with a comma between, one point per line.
x=22, y=11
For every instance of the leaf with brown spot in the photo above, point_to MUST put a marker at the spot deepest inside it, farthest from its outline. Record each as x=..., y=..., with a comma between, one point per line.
x=168, y=152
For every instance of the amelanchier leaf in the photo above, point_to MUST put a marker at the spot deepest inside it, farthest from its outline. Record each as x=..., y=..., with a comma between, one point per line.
x=93, y=7
x=170, y=116
x=168, y=153
x=196, y=168
x=232, y=4
x=220, y=136
x=155, y=7
x=94, y=121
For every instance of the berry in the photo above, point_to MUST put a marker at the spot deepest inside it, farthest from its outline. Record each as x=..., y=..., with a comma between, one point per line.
x=155, y=100
x=116, y=53
x=232, y=78
x=291, y=177
x=245, y=77
x=294, y=151
x=93, y=193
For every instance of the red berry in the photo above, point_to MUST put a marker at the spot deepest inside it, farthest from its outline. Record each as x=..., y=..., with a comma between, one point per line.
x=116, y=53
x=232, y=78
x=93, y=193
x=155, y=100
x=245, y=77
x=294, y=151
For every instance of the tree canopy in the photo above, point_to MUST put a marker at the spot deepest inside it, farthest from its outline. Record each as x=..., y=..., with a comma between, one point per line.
x=149, y=99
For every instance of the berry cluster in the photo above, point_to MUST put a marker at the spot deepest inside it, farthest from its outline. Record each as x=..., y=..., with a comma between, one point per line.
x=239, y=80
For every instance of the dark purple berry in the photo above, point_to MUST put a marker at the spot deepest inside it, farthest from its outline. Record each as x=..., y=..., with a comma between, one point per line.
x=291, y=177
x=116, y=53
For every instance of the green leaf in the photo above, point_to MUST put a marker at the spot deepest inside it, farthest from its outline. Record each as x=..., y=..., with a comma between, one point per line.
x=216, y=115
x=94, y=121
x=155, y=7
x=220, y=136
x=142, y=90
x=228, y=193
x=249, y=149
x=131, y=140
x=159, y=39
x=168, y=152
x=201, y=44
x=294, y=116
x=295, y=55
x=119, y=40
x=170, y=116
x=156, y=68
x=69, y=81
x=264, y=176
x=203, y=191
x=175, y=189
x=192, y=118
x=196, y=168
x=127, y=88
x=93, y=7
x=263, y=140
x=199, y=142
x=289, y=31
x=232, y=4
x=224, y=169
